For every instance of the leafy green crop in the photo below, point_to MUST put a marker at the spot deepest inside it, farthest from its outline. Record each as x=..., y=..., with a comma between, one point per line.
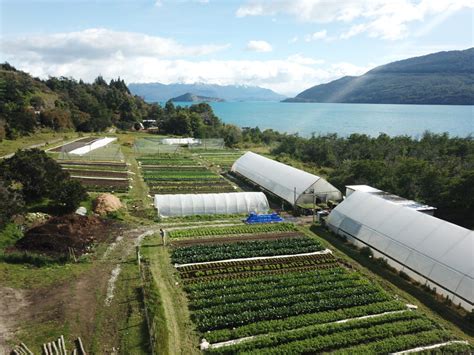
x=229, y=230
x=200, y=253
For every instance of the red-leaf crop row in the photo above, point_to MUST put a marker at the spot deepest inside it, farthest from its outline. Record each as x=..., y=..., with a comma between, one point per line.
x=310, y=259
x=325, y=261
x=264, y=271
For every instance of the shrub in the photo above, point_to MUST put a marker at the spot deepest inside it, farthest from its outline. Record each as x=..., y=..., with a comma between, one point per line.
x=366, y=251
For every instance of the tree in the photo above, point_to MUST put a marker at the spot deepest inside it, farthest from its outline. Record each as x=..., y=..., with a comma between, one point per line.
x=37, y=102
x=69, y=194
x=232, y=135
x=37, y=173
x=38, y=177
x=12, y=203
x=169, y=108
x=56, y=118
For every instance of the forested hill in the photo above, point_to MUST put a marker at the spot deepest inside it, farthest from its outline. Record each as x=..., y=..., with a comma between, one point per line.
x=60, y=104
x=444, y=78
x=64, y=103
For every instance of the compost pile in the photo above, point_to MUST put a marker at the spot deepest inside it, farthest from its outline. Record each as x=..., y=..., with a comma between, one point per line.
x=105, y=203
x=59, y=234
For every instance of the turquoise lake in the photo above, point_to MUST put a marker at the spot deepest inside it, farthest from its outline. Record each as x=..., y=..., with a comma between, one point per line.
x=344, y=119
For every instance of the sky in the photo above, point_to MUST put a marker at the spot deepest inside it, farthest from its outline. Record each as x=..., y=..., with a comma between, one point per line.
x=283, y=45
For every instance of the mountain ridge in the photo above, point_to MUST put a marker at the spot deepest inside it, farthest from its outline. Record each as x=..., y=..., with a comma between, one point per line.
x=158, y=92
x=445, y=78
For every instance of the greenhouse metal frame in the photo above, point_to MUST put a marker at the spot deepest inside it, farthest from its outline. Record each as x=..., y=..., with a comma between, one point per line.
x=428, y=249
x=214, y=203
x=292, y=185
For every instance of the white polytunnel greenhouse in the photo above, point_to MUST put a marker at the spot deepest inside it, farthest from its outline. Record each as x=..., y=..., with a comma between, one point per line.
x=220, y=203
x=430, y=250
x=292, y=185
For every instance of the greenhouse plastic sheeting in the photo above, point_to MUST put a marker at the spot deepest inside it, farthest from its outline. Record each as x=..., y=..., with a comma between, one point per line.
x=180, y=141
x=282, y=180
x=439, y=251
x=92, y=146
x=200, y=204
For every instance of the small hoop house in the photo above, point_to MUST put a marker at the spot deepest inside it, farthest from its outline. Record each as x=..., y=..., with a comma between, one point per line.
x=201, y=204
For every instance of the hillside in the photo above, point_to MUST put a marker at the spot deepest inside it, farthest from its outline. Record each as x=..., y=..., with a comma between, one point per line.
x=157, y=92
x=28, y=103
x=444, y=78
x=188, y=97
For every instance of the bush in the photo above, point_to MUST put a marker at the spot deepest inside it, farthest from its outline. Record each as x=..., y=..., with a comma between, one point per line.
x=404, y=276
x=367, y=252
x=10, y=234
x=25, y=257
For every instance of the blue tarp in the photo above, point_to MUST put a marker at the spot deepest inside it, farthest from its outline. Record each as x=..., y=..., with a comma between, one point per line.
x=263, y=218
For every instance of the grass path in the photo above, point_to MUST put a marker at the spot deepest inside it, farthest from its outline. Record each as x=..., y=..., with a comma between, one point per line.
x=181, y=338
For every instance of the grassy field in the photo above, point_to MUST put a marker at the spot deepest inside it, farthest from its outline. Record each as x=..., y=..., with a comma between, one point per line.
x=53, y=138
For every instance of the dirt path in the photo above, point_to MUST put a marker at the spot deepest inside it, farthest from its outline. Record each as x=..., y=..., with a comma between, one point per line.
x=76, y=306
x=12, y=303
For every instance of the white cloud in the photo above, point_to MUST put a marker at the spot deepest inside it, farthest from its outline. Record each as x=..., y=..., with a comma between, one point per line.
x=320, y=35
x=386, y=19
x=158, y=3
x=138, y=58
x=293, y=39
x=259, y=46
x=100, y=43
x=298, y=58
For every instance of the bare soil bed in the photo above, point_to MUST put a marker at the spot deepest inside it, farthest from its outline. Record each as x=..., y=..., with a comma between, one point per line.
x=74, y=145
x=92, y=163
x=97, y=184
x=97, y=173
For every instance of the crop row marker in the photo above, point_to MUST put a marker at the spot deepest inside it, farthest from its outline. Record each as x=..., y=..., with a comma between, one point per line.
x=435, y=346
x=322, y=252
x=241, y=340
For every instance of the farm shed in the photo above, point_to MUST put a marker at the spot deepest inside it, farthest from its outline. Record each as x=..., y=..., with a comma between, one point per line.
x=428, y=249
x=292, y=185
x=200, y=204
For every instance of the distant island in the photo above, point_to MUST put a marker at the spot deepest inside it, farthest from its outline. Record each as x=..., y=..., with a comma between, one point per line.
x=157, y=92
x=443, y=78
x=188, y=97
